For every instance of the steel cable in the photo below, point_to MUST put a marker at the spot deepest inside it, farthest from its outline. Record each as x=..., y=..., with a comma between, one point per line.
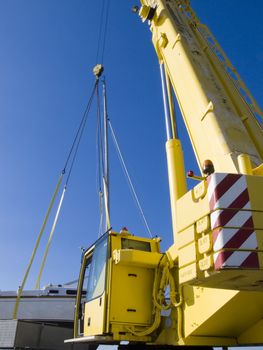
x=135, y=196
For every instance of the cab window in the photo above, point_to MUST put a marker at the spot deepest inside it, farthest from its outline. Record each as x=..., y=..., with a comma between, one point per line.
x=97, y=270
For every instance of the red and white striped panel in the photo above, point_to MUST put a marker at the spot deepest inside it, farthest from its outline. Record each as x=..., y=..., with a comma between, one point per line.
x=231, y=218
x=227, y=238
x=230, y=207
x=228, y=191
x=234, y=259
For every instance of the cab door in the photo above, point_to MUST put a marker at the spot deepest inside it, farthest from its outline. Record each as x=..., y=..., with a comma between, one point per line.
x=95, y=304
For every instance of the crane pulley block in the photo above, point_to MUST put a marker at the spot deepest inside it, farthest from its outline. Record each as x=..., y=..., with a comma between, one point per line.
x=220, y=238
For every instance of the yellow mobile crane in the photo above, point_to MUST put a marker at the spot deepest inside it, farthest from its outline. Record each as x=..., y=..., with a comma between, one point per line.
x=206, y=289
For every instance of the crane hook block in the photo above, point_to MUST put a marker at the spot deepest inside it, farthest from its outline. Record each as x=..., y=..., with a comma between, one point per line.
x=98, y=70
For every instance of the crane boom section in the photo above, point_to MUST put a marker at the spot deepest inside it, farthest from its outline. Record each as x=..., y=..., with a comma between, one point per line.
x=219, y=121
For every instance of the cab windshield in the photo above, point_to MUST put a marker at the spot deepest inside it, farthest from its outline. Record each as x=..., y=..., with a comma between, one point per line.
x=97, y=270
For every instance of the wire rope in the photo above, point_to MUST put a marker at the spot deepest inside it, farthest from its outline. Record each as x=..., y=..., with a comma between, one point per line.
x=37, y=286
x=71, y=158
x=100, y=29
x=103, y=27
x=21, y=288
x=105, y=30
x=80, y=133
x=75, y=141
x=72, y=155
x=80, y=127
x=135, y=196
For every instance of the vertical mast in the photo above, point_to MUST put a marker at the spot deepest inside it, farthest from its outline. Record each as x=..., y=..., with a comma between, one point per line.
x=106, y=159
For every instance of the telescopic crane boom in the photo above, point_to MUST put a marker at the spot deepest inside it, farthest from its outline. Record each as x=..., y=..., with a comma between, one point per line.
x=219, y=120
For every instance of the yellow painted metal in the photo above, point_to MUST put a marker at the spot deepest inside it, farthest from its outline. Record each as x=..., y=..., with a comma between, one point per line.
x=219, y=122
x=216, y=317
x=118, y=240
x=125, y=309
x=213, y=312
x=171, y=105
x=78, y=306
x=187, y=254
x=192, y=207
x=186, y=237
x=136, y=258
x=258, y=170
x=194, y=245
x=128, y=304
x=244, y=163
x=176, y=174
x=94, y=316
x=203, y=224
x=144, y=11
x=213, y=316
x=255, y=190
x=252, y=335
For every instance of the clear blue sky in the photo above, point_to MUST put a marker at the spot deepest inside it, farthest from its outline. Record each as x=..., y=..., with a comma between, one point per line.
x=48, y=50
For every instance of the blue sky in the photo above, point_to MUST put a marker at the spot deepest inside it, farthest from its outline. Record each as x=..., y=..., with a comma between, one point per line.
x=48, y=50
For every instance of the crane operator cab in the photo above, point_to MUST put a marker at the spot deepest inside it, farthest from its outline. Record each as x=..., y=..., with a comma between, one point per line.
x=118, y=272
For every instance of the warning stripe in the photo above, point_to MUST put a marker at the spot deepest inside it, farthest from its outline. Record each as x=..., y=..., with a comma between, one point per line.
x=226, y=215
x=245, y=259
x=231, y=218
x=234, y=239
x=240, y=201
x=221, y=258
x=251, y=261
x=219, y=189
x=231, y=222
x=239, y=238
x=215, y=234
x=243, y=239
